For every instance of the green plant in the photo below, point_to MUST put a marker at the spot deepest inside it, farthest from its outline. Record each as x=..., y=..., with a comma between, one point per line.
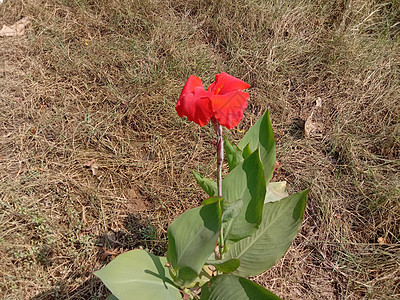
x=241, y=230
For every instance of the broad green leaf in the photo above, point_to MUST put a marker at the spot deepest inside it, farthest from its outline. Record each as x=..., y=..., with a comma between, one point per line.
x=232, y=211
x=228, y=287
x=246, y=151
x=261, y=135
x=209, y=186
x=280, y=224
x=225, y=265
x=191, y=240
x=111, y=297
x=245, y=183
x=204, y=277
x=141, y=274
x=233, y=154
x=211, y=200
x=276, y=191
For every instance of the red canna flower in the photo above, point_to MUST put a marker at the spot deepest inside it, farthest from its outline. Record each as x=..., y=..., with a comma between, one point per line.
x=223, y=101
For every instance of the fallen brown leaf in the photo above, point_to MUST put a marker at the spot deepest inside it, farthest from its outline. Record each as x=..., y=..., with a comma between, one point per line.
x=17, y=29
x=92, y=165
x=313, y=127
x=382, y=240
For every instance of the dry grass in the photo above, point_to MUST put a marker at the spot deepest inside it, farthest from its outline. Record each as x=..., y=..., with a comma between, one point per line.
x=92, y=89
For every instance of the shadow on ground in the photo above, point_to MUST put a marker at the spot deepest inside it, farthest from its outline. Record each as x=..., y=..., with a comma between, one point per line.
x=90, y=289
x=137, y=233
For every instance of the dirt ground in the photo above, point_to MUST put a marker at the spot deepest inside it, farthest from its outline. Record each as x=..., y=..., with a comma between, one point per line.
x=95, y=161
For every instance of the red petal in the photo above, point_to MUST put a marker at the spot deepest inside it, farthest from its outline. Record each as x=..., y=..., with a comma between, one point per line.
x=191, y=84
x=194, y=102
x=225, y=83
x=228, y=109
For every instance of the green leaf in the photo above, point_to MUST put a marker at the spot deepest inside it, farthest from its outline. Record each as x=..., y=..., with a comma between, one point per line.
x=280, y=224
x=211, y=200
x=261, y=135
x=228, y=287
x=201, y=279
x=233, y=154
x=246, y=151
x=232, y=211
x=245, y=183
x=225, y=265
x=111, y=297
x=276, y=191
x=209, y=186
x=141, y=274
x=191, y=240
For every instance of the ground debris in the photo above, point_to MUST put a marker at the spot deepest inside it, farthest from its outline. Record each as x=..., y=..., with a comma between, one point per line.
x=93, y=166
x=17, y=29
x=313, y=126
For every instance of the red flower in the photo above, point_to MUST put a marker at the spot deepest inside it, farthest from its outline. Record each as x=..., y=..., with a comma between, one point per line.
x=223, y=101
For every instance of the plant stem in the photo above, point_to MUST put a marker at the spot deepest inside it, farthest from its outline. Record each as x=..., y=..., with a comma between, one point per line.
x=220, y=155
x=220, y=160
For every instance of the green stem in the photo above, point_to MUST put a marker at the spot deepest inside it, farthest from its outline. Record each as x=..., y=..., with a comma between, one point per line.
x=221, y=242
x=189, y=292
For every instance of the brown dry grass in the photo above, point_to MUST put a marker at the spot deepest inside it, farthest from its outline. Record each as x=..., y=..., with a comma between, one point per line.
x=92, y=87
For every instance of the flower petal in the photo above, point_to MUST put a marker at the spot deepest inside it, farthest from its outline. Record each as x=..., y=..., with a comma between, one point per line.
x=194, y=102
x=225, y=83
x=228, y=108
x=191, y=84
